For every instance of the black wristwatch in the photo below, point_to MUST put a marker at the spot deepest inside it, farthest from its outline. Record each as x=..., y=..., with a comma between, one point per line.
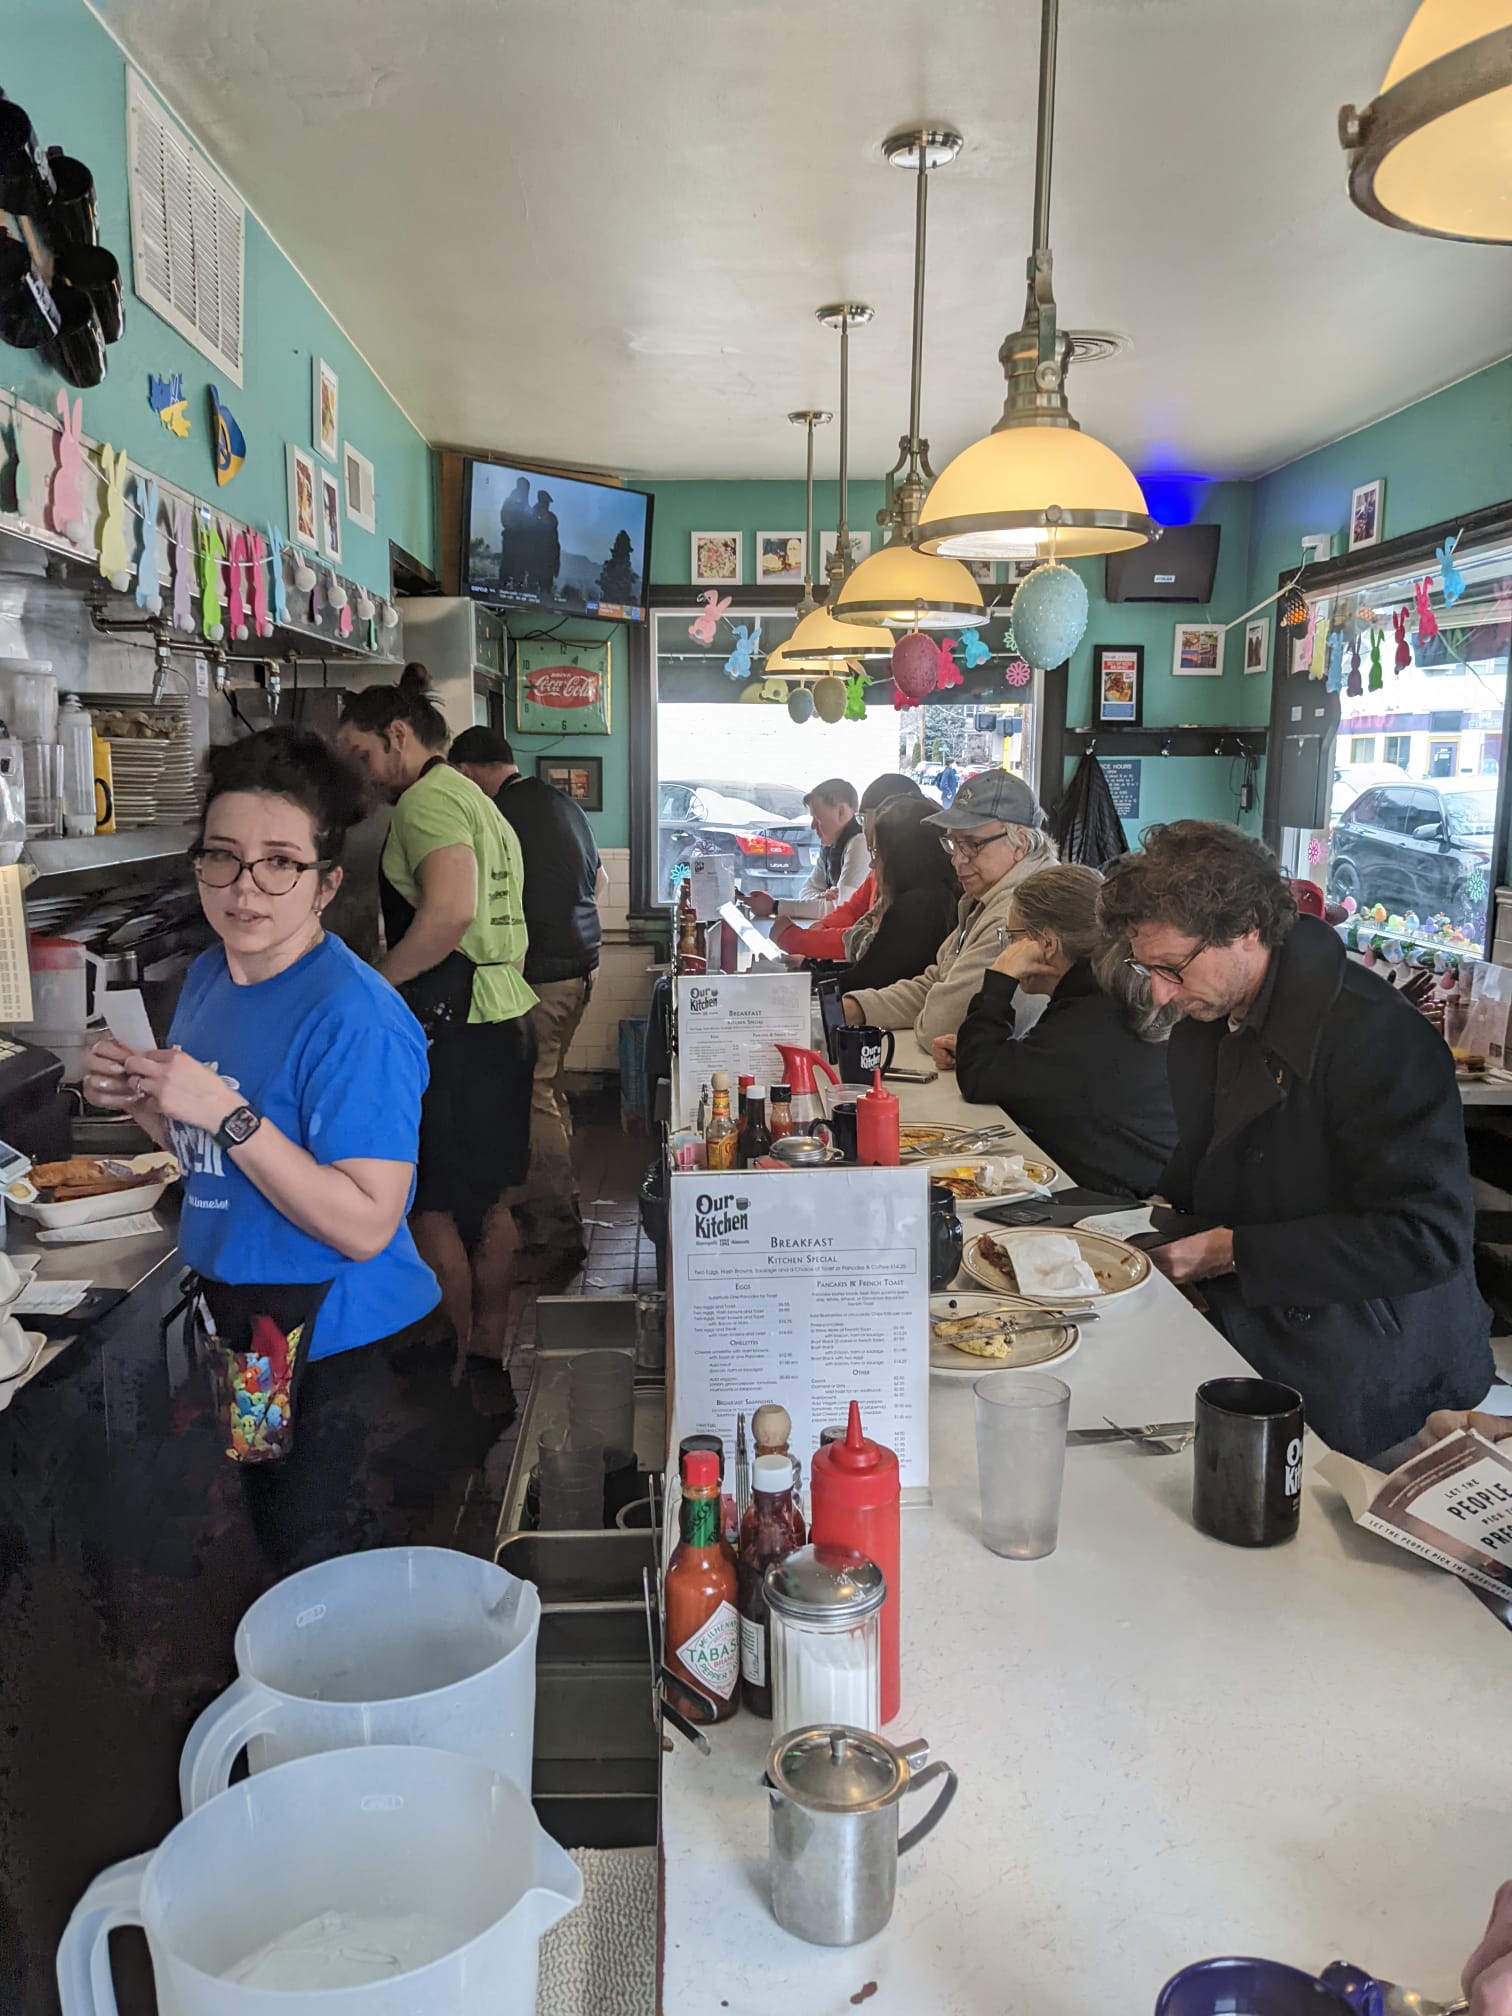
x=237, y=1128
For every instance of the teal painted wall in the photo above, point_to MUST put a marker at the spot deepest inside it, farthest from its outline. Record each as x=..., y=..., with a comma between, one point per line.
x=611, y=827
x=71, y=77
x=685, y=508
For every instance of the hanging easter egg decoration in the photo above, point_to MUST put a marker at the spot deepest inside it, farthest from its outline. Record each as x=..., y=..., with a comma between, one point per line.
x=752, y=693
x=800, y=704
x=1049, y=615
x=829, y=700
x=916, y=665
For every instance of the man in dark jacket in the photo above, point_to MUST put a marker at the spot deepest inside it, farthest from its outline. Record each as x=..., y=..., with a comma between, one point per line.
x=563, y=879
x=1321, y=1171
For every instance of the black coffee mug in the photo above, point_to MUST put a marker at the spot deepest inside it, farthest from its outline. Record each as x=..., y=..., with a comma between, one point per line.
x=22, y=322
x=71, y=218
x=944, y=1237
x=95, y=272
x=26, y=183
x=77, y=351
x=860, y=1052
x=1247, y=1465
x=843, y=1127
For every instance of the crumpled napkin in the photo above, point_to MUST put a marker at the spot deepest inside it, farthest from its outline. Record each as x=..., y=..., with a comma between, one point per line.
x=1049, y=1263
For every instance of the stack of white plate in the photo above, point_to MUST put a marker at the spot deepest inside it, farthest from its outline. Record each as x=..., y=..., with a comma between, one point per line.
x=135, y=768
x=177, y=796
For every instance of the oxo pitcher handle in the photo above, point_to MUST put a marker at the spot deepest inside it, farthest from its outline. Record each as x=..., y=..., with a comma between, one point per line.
x=936, y=1812
x=114, y=1898
x=218, y=1738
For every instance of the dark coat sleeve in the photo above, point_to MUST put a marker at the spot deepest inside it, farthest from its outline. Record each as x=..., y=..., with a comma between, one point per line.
x=1396, y=1133
x=904, y=943
x=988, y=1069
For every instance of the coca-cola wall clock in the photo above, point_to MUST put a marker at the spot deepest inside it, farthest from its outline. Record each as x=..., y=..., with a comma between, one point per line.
x=561, y=689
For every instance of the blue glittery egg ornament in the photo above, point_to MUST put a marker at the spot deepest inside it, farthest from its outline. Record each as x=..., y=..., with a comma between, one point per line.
x=1049, y=615
x=800, y=704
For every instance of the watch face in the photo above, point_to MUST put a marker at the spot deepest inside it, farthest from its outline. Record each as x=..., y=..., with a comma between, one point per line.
x=241, y=1126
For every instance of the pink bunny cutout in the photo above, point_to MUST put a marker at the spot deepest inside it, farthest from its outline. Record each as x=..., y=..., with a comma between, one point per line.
x=65, y=496
x=1403, y=656
x=257, y=550
x=704, y=628
x=236, y=620
x=183, y=566
x=950, y=672
x=115, y=554
x=1427, y=621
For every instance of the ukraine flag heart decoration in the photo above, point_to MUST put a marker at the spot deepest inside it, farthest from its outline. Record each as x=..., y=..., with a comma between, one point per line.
x=230, y=443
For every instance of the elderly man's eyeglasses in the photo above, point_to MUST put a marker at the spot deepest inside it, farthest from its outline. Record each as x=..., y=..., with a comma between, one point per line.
x=966, y=847
x=1171, y=973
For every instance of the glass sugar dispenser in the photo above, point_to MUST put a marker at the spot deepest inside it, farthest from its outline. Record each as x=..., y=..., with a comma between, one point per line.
x=825, y=1611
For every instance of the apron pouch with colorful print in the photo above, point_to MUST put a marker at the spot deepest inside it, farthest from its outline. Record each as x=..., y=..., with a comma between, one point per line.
x=255, y=1339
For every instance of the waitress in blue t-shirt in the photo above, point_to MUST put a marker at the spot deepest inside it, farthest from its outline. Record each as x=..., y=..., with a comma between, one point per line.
x=290, y=1094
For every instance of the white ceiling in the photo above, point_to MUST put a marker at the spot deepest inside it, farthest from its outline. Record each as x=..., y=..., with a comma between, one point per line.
x=594, y=231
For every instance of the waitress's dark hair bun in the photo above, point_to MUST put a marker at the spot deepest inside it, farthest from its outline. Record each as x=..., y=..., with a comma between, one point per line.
x=294, y=764
x=375, y=709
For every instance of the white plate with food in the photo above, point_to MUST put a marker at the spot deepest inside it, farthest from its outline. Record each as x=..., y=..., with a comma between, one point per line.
x=88, y=1189
x=989, y=1179
x=1118, y=1268
x=970, y=1334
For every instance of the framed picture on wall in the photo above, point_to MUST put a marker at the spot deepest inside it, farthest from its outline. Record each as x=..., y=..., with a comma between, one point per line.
x=580, y=777
x=357, y=481
x=779, y=558
x=1257, y=644
x=328, y=487
x=1118, y=684
x=1367, y=510
x=326, y=389
x=715, y=557
x=1198, y=651
x=304, y=506
x=861, y=545
x=561, y=689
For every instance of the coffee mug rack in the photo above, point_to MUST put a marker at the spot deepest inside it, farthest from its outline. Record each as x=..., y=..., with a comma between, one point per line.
x=1183, y=739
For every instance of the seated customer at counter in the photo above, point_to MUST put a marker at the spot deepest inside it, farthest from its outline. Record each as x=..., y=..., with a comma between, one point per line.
x=831, y=937
x=843, y=862
x=290, y=1094
x=1322, y=1144
x=1088, y=1081
x=993, y=836
x=917, y=893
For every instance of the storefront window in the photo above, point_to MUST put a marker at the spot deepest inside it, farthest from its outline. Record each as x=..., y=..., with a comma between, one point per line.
x=1413, y=830
x=731, y=774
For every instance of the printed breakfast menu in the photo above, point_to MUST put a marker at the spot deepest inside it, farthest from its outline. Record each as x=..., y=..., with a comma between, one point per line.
x=809, y=1289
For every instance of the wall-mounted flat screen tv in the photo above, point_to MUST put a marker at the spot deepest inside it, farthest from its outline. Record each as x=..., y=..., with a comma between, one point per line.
x=556, y=544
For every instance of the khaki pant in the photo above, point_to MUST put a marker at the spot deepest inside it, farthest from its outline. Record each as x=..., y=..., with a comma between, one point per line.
x=548, y=1203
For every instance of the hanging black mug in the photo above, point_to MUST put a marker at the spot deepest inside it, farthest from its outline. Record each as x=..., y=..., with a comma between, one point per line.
x=944, y=1238
x=1247, y=1463
x=95, y=272
x=26, y=183
x=23, y=298
x=77, y=351
x=72, y=218
x=860, y=1052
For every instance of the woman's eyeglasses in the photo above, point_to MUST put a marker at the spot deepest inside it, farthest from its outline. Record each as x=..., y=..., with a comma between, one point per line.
x=274, y=874
x=958, y=843
x=1171, y=973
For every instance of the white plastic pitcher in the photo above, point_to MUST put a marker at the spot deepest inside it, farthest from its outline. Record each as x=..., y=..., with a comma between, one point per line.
x=398, y=1645
x=420, y=1878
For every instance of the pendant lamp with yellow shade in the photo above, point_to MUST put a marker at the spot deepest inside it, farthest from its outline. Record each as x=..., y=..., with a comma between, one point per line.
x=1036, y=484
x=899, y=586
x=1432, y=153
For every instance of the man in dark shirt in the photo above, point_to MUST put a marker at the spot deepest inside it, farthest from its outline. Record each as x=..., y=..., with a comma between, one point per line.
x=563, y=880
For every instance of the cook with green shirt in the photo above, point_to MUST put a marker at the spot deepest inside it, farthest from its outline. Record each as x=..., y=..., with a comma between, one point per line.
x=454, y=920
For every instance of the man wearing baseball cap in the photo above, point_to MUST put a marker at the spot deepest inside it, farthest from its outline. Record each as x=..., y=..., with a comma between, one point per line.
x=993, y=834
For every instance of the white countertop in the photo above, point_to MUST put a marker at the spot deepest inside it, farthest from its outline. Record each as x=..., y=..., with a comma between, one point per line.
x=1168, y=1748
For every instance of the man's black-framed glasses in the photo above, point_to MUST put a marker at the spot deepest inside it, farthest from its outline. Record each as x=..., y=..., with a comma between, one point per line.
x=1172, y=973
x=274, y=874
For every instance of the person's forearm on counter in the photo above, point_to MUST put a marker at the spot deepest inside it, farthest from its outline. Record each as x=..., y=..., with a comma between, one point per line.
x=448, y=891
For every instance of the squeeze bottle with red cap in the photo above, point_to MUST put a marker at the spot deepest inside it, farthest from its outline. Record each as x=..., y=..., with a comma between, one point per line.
x=877, y=1127
x=809, y=1116
x=855, y=1499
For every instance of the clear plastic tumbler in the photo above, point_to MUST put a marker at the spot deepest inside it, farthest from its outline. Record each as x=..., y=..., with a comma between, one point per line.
x=1021, y=1459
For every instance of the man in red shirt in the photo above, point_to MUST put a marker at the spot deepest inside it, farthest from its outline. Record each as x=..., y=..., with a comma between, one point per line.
x=826, y=938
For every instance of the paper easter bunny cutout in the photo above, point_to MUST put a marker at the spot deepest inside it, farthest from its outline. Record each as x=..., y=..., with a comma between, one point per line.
x=275, y=570
x=975, y=648
x=1454, y=581
x=1427, y=621
x=149, y=588
x=115, y=554
x=183, y=565
x=211, y=551
x=1403, y=656
x=236, y=619
x=262, y=622
x=65, y=502
x=704, y=628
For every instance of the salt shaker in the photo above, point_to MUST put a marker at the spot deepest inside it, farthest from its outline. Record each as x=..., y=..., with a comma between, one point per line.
x=825, y=1610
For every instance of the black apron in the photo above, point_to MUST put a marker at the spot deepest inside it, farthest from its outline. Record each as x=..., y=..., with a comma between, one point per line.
x=441, y=997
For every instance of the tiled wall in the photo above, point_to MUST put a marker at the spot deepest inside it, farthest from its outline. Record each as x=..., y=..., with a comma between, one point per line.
x=623, y=986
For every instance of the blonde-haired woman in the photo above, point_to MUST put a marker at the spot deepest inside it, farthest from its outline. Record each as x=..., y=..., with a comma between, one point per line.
x=1088, y=1080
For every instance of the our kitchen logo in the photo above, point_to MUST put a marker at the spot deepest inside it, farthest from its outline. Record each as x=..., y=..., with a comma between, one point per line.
x=701, y=998
x=564, y=686
x=716, y=1217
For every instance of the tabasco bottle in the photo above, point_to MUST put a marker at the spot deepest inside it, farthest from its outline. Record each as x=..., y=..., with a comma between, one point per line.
x=701, y=1595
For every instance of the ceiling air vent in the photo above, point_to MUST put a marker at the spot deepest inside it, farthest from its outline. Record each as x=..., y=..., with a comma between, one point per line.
x=188, y=231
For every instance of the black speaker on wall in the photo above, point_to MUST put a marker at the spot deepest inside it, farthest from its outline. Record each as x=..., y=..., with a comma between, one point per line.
x=1179, y=566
